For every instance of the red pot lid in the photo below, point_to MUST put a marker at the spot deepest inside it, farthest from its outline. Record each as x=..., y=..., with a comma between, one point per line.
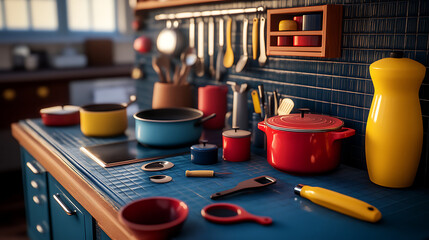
x=300, y=122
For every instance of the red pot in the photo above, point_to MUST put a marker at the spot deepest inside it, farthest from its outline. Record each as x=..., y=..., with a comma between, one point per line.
x=60, y=115
x=304, y=143
x=236, y=145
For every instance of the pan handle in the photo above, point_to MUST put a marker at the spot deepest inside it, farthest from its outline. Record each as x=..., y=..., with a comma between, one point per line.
x=202, y=120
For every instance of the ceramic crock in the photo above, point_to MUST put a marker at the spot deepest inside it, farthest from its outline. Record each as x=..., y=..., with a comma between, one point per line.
x=304, y=143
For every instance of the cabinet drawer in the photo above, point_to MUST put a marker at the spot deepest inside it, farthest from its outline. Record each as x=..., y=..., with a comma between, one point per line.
x=36, y=197
x=69, y=220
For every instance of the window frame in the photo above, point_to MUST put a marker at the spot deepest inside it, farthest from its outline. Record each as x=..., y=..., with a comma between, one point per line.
x=62, y=34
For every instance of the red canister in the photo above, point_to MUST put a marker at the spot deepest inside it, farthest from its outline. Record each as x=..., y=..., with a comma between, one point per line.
x=212, y=99
x=236, y=145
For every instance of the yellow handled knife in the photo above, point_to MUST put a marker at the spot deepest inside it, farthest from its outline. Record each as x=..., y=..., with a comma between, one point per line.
x=256, y=103
x=339, y=202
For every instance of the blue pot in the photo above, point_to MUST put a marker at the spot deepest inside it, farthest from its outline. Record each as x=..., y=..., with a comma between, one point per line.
x=168, y=127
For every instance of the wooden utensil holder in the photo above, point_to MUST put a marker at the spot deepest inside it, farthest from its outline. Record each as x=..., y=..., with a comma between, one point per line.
x=167, y=95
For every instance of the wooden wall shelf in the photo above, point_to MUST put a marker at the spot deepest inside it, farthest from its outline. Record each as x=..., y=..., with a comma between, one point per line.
x=330, y=33
x=152, y=4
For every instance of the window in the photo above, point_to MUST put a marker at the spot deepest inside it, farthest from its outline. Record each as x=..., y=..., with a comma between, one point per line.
x=92, y=15
x=25, y=15
x=62, y=17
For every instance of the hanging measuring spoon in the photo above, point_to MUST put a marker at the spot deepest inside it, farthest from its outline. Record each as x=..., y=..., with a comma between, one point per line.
x=227, y=213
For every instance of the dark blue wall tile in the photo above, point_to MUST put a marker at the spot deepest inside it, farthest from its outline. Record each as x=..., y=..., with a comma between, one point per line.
x=340, y=87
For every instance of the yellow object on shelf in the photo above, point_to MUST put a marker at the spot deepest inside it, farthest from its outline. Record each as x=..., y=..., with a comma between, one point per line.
x=339, y=202
x=288, y=25
x=394, y=131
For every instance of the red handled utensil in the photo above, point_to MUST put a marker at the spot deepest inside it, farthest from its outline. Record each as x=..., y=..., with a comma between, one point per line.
x=256, y=182
x=227, y=213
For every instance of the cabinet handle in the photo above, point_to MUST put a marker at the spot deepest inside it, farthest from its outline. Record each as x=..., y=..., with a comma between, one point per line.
x=32, y=168
x=34, y=184
x=36, y=200
x=39, y=228
x=62, y=205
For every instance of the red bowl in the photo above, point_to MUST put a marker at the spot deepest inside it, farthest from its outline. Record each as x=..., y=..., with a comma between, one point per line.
x=154, y=217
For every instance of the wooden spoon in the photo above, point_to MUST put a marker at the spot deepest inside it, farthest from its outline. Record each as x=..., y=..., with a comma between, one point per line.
x=228, y=59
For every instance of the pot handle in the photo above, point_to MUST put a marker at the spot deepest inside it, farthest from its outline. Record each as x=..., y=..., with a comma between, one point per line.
x=344, y=132
x=262, y=126
x=202, y=120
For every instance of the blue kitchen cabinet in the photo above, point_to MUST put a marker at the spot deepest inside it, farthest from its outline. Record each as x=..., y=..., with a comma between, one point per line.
x=52, y=213
x=36, y=197
x=69, y=220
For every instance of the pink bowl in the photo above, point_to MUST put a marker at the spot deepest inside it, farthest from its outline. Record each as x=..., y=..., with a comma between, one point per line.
x=154, y=217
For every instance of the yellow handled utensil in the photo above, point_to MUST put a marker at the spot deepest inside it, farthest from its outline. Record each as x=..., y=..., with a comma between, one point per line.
x=339, y=202
x=255, y=38
x=228, y=58
x=202, y=173
x=256, y=103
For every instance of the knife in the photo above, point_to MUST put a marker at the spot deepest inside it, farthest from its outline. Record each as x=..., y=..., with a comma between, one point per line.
x=339, y=202
x=262, y=100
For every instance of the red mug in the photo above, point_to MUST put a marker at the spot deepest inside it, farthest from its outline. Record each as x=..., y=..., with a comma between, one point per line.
x=236, y=145
x=212, y=99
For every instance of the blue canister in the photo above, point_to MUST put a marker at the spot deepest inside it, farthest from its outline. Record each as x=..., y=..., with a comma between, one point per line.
x=204, y=153
x=312, y=22
x=258, y=137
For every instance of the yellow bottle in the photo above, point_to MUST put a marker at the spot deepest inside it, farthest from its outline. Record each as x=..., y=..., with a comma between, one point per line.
x=394, y=131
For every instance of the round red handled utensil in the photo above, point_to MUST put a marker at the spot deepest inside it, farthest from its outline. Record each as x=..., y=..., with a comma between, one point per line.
x=227, y=213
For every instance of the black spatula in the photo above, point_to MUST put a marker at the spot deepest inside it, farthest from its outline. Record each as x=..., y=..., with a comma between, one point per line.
x=256, y=182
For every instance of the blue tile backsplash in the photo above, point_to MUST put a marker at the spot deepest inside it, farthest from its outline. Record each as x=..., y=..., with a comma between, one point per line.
x=339, y=87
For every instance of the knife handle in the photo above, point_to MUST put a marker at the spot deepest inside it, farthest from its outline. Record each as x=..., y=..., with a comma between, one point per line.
x=339, y=202
x=200, y=173
x=255, y=99
x=255, y=38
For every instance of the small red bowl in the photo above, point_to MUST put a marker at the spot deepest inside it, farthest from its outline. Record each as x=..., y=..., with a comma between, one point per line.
x=155, y=217
x=60, y=115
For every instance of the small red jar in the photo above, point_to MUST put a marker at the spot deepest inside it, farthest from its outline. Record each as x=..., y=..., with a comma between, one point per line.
x=212, y=99
x=236, y=145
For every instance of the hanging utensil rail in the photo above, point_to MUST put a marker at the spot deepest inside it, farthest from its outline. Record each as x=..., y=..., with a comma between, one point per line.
x=184, y=15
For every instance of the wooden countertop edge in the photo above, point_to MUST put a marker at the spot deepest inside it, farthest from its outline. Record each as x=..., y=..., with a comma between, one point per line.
x=96, y=205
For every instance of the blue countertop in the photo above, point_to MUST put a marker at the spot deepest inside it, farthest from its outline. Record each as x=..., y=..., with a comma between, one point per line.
x=405, y=211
